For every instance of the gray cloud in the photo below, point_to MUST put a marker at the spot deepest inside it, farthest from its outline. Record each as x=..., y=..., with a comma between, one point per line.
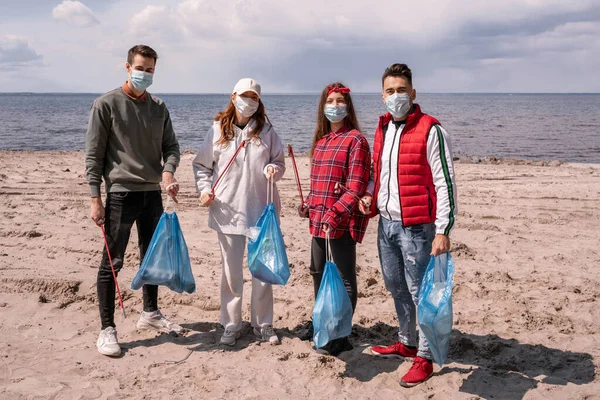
x=487, y=54
x=291, y=46
x=530, y=23
x=15, y=52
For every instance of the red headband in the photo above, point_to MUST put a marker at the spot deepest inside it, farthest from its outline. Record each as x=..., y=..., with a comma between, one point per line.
x=335, y=89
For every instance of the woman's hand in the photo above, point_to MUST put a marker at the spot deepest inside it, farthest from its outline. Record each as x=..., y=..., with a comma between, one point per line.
x=303, y=210
x=206, y=199
x=364, y=205
x=270, y=172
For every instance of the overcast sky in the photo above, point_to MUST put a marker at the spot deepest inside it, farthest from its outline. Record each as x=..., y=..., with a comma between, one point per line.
x=205, y=46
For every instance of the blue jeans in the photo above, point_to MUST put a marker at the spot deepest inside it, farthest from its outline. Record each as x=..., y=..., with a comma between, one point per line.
x=404, y=253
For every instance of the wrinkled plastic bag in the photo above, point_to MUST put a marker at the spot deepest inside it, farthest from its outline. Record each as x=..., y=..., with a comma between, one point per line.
x=167, y=261
x=267, y=258
x=435, y=305
x=332, y=314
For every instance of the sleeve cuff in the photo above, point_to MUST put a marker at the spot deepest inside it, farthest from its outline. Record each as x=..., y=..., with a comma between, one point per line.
x=442, y=232
x=330, y=220
x=169, y=168
x=370, y=188
x=94, y=190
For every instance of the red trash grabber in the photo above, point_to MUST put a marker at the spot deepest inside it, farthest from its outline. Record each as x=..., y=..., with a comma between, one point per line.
x=112, y=267
x=291, y=154
x=242, y=145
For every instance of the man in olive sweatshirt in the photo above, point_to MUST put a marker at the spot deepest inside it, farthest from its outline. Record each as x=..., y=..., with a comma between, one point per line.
x=130, y=144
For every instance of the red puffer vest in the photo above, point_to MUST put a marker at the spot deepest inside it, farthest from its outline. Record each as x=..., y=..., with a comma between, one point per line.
x=417, y=192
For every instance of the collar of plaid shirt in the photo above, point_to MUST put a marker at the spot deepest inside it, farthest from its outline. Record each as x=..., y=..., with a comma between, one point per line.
x=333, y=135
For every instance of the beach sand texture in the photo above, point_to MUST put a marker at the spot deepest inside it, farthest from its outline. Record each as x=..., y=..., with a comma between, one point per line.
x=526, y=299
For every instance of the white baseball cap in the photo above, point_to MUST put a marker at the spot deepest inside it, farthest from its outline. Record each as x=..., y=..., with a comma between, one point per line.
x=247, y=85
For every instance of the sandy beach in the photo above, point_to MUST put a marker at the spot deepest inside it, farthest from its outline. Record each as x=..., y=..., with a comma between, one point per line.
x=526, y=299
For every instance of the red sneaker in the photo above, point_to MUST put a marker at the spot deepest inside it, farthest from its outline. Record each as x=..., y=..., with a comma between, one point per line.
x=397, y=350
x=421, y=369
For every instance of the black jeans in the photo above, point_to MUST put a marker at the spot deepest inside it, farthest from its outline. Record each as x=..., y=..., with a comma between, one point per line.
x=343, y=251
x=122, y=210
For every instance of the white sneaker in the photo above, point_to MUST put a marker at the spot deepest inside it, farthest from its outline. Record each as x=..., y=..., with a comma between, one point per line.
x=267, y=334
x=228, y=338
x=107, y=343
x=155, y=320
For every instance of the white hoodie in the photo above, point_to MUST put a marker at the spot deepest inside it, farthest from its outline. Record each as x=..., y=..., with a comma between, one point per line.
x=241, y=195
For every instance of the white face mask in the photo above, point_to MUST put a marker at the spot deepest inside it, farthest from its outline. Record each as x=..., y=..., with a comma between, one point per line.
x=245, y=106
x=140, y=80
x=335, y=113
x=398, y=104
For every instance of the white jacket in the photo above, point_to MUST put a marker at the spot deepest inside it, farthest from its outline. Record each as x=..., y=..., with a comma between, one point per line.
x=241, y=195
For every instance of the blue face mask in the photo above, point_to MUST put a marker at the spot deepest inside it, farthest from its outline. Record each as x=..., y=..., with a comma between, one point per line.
x=335, y=113
x=140, y=80
x=398, y=104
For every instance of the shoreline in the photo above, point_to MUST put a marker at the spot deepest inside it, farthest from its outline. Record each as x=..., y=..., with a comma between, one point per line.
x=458, y=159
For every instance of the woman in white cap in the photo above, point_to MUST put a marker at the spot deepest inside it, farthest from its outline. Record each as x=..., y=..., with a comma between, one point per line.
x=242, y=143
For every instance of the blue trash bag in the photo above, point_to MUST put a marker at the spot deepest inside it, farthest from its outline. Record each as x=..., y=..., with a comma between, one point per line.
x=267, y=258
x=332, y=314
x=167, y=261
x=435, y=305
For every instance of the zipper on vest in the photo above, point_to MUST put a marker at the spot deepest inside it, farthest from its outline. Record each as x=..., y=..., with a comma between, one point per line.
x=398, y=176
x=390, y=176
x=429, y=201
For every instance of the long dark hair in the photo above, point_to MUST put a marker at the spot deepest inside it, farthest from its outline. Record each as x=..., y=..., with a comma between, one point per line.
x=323, y=125
x=227, y=119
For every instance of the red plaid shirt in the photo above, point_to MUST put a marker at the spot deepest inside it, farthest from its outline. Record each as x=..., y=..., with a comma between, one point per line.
x=343, y=156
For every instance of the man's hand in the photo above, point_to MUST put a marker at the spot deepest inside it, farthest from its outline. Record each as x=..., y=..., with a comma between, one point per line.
x=364, y=205
x=206, y=199
x=168, y=179
x=303, y=210
x=97, y=210
x=440, y=245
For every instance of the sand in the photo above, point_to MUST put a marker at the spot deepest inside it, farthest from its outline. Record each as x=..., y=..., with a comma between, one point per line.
x=526, y=300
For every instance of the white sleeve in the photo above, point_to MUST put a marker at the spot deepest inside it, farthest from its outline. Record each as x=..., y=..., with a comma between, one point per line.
x=439, y=156
x=277, y=157
x=203, y=164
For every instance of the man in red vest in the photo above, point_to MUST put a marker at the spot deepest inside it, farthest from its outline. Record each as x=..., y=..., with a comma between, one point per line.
x=413, y=190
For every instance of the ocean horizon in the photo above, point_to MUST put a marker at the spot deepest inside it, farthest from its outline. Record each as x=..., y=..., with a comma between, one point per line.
x=537, y=126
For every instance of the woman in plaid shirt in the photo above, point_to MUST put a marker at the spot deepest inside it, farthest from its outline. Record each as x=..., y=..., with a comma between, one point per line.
x=339, y=176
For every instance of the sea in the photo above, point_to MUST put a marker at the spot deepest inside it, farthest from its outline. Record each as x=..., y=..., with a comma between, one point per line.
x=562, y=127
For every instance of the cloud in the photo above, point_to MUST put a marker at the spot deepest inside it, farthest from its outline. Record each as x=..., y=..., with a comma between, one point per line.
x=299, y=46
x=75, y=13
x=292, y=46
x=156, y=23
x=16, y=52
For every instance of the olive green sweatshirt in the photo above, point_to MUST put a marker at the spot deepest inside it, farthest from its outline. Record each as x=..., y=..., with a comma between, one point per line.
x=129, y=143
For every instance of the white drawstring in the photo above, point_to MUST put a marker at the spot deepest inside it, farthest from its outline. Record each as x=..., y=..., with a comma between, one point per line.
x=169, y=197
x=327, y=247
x=270, y=189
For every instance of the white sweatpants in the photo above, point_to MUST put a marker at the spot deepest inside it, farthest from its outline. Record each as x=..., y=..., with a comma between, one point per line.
x=232, y=284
